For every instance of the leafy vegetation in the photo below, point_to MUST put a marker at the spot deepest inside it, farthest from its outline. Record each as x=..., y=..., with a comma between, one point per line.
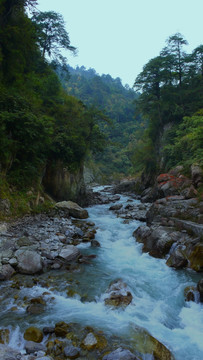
x=171, y=87
x=117, y=101
x=39, y=122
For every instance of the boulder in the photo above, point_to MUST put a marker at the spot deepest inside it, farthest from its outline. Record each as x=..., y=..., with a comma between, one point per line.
x=32, y=347
x=61, y=329
x=177, y=258
x=157, y=240
x=116, y=207
x=118, y=294
x=189, y=293
x=196, y=173
x=29, y=261
x=72, y=209
x=145, y=343
x=150, y=194
x=71, y=352
x=120, y=354
x=89, y=342
x=125, y=186
x=6, y=271
x=195, y=257
x=69, y=253
x=33, y=334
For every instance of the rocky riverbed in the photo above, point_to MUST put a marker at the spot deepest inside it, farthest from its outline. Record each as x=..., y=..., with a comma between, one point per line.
x=49, y=274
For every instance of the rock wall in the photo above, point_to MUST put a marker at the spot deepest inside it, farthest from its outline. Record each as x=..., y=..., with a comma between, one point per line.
x=62, y=184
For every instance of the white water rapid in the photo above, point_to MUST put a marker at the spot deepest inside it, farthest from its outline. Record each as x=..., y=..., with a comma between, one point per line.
x=158, y=291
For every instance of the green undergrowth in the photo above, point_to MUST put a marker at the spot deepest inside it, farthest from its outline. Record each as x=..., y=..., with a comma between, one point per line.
x=16, y=203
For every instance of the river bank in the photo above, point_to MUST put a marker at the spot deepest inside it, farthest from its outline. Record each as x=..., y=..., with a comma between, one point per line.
x=69, y=298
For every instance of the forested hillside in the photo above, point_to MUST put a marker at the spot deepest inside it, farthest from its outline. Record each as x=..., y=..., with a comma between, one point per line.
x=171, y=87
x=40, y=124
x=117, y=102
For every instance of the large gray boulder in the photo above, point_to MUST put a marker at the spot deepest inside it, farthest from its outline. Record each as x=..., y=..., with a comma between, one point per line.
x=157, y=240
x=69, y=253
x=29, y=261
x=6, y=271
x=73, y=209
x=120, y=354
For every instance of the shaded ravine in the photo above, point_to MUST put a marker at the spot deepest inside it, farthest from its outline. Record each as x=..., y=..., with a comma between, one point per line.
x=158, y=292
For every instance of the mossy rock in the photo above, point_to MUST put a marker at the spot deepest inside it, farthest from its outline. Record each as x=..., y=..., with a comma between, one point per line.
x=147, y=344
x=196, y=258
x=4, y=336
x=61, y=329
x=33, y=334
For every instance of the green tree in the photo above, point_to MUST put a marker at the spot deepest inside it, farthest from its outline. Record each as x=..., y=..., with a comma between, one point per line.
x=51, y=33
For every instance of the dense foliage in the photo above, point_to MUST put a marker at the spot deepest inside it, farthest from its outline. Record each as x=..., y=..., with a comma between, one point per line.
x=117, y=101
x=171, y=87
x=39, y=121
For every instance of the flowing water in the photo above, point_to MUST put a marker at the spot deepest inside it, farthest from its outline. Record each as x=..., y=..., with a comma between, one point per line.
x=158, y=292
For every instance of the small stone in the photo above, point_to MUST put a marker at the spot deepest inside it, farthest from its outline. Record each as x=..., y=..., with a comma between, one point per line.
x=33, y=334
x=90, y=341
x=71, y=352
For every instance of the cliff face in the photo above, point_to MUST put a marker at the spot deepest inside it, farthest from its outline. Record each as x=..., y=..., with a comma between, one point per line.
x=62, y=184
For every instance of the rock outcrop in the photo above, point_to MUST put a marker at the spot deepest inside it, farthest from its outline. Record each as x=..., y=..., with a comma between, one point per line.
x=175, y=220
x=72, y=209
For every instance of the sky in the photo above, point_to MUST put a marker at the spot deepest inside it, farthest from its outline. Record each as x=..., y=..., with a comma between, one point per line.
x=118, y=37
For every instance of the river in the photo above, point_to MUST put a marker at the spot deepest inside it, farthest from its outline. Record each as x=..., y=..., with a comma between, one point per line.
x=158, y=292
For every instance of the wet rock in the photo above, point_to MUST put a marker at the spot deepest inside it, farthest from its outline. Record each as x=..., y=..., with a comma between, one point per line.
x=195, y=257
x=29, y=262
x=61, y=329
x=6, y=272
x=118, y=294
x=147, y=344
x=72, y=209
x=6, y=353
x=71, y=352
x=33, y=334
x=95, y=243
x=32, y=347
x=157, y=240
x=4, y=336
x=69, y=253
x=177, y=258
x=120, y=354
x=89, y=342
x=200, y=289
x=35, y=309
x=48, y=330
x=189, y=293
x=116, y=207
x=115, y=198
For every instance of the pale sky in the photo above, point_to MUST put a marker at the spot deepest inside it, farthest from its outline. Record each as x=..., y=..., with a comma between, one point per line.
x=118, y=37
